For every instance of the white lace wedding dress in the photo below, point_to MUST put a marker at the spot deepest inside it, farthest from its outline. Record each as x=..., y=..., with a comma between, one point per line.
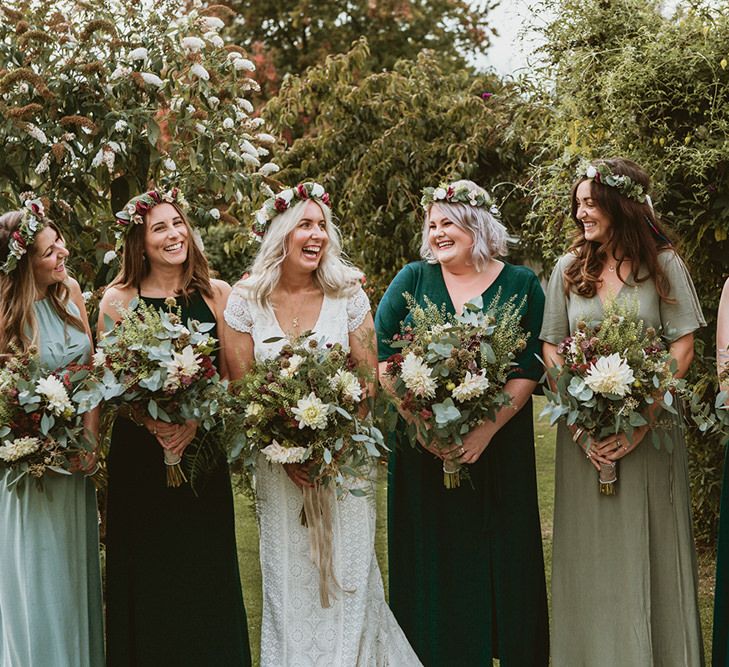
x=359, y=628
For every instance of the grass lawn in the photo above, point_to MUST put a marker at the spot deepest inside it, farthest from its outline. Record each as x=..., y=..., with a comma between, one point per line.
x=251, y=574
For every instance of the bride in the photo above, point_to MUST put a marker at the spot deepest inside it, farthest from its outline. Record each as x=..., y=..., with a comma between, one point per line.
x=300, y=283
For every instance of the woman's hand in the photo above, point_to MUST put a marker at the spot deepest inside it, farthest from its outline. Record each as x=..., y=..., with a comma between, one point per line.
x=85, y=462
x=615, y=447
x=180, y=438
x=299, y=474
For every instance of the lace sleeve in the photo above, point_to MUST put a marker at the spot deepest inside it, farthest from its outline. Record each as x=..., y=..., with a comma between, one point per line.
x=358, y=305
x=237, y=313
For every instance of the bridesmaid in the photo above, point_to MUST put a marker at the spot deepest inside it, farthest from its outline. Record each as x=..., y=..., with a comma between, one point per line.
x=50, y=587
x=173, y=592
x=624, y=578
x=466, y=565
x=720, y=652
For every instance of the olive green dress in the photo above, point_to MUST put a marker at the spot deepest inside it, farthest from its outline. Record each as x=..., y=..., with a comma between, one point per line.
x=173, y=591
x=624, y=578
x=466, y=565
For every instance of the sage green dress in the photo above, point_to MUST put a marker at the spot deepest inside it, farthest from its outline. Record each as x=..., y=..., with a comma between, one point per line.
x=50, y=581
x=466, y=565
x=624, y=578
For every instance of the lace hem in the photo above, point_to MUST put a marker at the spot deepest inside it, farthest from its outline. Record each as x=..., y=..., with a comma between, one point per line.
x=237, y=314
x=358, y=305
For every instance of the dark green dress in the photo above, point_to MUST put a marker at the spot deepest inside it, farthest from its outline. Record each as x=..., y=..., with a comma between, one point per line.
x=720, y=645
x=466, y=565
x=172, y=581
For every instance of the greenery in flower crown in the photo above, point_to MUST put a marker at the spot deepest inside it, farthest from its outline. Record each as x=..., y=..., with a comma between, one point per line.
x=41, y=424
x=22, y=238
x=278, y=203
x=304, y=406
x=461, y=194
x=600, y=173
x=613, y=371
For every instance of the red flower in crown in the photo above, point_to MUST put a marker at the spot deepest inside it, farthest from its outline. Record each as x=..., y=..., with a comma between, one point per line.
x=174, y=192
x=17, y=236
x=155, y=195
x=325, y=199
x=140, y=207
x=121, y=221
x=280, y=204
x=302, y=191
x=450, y=192
x=35, y=208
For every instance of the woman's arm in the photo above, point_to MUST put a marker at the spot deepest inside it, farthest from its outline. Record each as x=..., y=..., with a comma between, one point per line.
x=363, y=348
x=722, y=332
x=221, y=292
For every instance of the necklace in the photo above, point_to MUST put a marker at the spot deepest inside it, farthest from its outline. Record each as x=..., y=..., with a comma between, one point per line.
x=611, y=268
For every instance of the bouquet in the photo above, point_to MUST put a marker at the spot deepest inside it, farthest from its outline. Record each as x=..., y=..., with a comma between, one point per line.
x=451, y=371
x=306, y=406
x=711, y=417
x=160, y=367
x=614, y=372
x=41, y=427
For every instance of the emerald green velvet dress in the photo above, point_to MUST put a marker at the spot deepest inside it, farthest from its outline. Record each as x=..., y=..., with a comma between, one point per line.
x=624, y=577
x=173, y=591
x=720, y=644
x=466, y=565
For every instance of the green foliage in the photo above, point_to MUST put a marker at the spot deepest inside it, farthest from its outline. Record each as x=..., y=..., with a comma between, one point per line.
x=229, y=253
x=101, y=100
x=292, y=35
x=376, y=140
x=631, y=81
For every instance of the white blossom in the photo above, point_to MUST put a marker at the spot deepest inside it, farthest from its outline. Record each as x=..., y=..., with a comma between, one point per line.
x=228, y=123
x=213, y=101
x=169, y=164
x=200, y=72
x=183, y=364
x=209, y=23
x=591, y=172
x=192, y=44
x=109, y=256
x=610, y=375
x=52, y=389
x=17, y=449
x=347, y=384
x=317, y=191
x=276, y=453
x=244, y=104
x=121, y=72
x=215, y=39
x=439, y=193
x=250, y=160
x=471, y=386
x=200, y=128
x=417, y=376
x=214, y=213
x=43, y=165
x=86, y=296
x=120, y=125
x=98, y=358
x=295, y=361
x=138, y=54
x=257, y=122
x=35, y=132
x=266, y=138
x=269, y=168
x=152, y=79
x=253, y=410
x=241, y=63
x=311, y=412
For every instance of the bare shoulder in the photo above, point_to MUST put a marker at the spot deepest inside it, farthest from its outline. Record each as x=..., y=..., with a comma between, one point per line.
x=74, y=289
x=115, y=295
x=221, y=289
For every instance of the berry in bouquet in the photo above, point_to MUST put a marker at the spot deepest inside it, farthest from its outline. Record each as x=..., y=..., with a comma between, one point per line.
x=158, y=366
x=614, y=374
x=41, y=427
x=450, y=373
x=308, y=406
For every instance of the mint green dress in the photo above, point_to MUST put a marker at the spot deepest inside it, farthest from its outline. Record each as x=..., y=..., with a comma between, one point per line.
x=466, y=566
x=624, y=577
x=50, y=581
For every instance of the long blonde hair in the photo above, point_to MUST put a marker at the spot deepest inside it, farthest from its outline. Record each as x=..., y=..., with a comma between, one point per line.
x=19, y=292
x=335, y=276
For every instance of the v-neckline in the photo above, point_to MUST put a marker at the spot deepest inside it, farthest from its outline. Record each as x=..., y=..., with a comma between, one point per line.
x=623, y=285
x=450, y=298
x=313, y=329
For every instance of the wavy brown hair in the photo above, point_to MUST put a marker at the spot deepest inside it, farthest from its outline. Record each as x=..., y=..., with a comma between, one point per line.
x=18, y=294
x=636, y=234
x=135, y=267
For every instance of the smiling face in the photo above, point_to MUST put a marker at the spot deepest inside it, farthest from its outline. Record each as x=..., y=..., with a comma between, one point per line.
x=306, y=243
x=166, y=236
x=48, y=259
x=448, y=242
x=595, y=222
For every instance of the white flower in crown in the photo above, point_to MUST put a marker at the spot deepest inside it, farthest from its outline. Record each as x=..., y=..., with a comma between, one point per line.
x=53, y=390
x=610, y=375
x=417, y=376
x=17, y=449
x=317, y=191
x=276, y=453
x=311, y=412
x=590, y=172
x=439, y=193
x=471, y=386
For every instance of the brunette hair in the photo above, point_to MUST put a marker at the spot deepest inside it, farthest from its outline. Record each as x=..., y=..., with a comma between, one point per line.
x=135, y=267
x=18, y=294
x=636, y=232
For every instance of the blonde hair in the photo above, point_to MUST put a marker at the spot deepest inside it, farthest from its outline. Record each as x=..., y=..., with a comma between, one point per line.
x=488, y=233
x=19, y=292
x=335, y=276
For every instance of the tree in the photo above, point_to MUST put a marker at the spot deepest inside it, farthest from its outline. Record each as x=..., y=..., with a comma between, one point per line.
x=102, y=100
x=296, y=34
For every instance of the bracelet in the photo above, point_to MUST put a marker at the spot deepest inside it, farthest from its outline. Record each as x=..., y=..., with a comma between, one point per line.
x=578, y=434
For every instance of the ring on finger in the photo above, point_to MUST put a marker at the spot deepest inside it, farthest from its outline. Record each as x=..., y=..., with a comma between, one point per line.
x=461, y=451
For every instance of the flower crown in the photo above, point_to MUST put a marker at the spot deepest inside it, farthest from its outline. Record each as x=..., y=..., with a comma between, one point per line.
x=461, y=194
x=600, y=173
x=137, y=207
x=284, y=200
x=22, y=238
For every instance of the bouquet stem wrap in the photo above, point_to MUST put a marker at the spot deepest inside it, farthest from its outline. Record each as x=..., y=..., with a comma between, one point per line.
x=317, y=516
x=175, y=475
x=608, y=478
x=451, y=474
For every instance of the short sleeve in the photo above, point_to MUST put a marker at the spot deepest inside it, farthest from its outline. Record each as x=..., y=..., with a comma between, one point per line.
x=681, y=314
x=556, y=323
x=393, y=309
x=237, y=313
x=528, y=365
x=358, y=305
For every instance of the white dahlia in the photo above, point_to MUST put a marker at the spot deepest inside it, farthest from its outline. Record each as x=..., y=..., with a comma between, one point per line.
x=276, y=453
x=52, y=389
x=294, y=363
x=183, y=364
x=471, y=387
x=417, y=376
x=15, y=450
x=610, y=375
x=311, y=412
x=347, y=384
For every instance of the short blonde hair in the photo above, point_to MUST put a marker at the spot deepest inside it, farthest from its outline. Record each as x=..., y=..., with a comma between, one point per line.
x=488, y=233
